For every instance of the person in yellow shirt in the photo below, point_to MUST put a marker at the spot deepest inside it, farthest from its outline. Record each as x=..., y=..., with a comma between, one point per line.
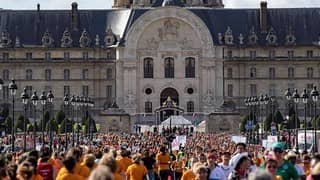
x=163, y=162
x=109, y=161
x=67, y=172
x=178, y=167
x=89, y=162
x=136, y=171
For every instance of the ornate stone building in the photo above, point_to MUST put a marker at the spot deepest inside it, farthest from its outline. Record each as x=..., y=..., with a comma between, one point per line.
x=143, y=51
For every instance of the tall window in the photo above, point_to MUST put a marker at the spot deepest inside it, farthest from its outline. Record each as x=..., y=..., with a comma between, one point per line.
x=66, y=90
x=290, y=54
x=85, y=74
x=109, y=92
x=85, y=56
x=148, y=107
x=253, y=72
x=272, y=73
x=272, y=54
x=109, y=74
x=148, y=67
x=66, y=74
x=85, y=91
x=253, y=55
x=5, y=56
x=5, y=92
x=309, y=72
x=290, y=72
x=309, y=54
x=47, y=56
x=29, y=55
x=230, y=90
x=66, y=56
x=253, y=89
x=229, y=73
x=190, y=106
x=5, y=75
x=29, y=74
x=272, y=90
x=47, y=74
x=190, y=67
x=169, y=67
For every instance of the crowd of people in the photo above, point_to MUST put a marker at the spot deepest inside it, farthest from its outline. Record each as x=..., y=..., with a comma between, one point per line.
x=147, y=156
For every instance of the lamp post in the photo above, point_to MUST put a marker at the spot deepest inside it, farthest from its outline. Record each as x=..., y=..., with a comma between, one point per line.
x=34, y=99
x=43, y=100
x=288, y=95
x=13, y=90
x=266, y=102
x=305, y=98
x=25, y=98
x=91, y=104
x=315, y=96
x=78, y=103
x=66, y=103
x=50, y=98
x=73, y=103
x=296, y=98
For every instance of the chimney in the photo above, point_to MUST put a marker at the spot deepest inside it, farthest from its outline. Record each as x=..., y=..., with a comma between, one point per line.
x=263, y=17
x=74, y=16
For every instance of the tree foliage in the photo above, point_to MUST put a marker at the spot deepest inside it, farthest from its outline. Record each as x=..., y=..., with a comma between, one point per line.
x=60, y=116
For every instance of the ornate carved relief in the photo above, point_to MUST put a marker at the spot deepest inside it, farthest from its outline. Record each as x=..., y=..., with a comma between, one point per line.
x=47, y=40
x=109, y=39
x=66, y=40
x=84, y=40
x=241, y=39
x=228, y=36
x=5, y=39
x=290, y=38
x=170, y=30
x=271, y=37
x=208, y=98
x=186, y=44
x=130, y=99
x=97, y=41
x=152, y=43
x=252, y=38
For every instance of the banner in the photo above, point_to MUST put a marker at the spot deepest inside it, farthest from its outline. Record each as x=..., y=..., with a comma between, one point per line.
x=239, y=139
x=270, y=141
x=179, y=140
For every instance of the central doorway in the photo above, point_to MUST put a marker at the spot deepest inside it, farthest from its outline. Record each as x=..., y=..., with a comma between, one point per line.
x=174, y=96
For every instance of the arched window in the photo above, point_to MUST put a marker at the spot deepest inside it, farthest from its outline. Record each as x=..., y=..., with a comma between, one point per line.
x=169, y=67
x=148, y=67
x=190, y=67
x=190, y=106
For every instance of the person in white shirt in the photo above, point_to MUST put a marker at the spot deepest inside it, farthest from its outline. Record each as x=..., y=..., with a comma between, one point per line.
x=216, y=173
x=240, y=150
x=224, y=165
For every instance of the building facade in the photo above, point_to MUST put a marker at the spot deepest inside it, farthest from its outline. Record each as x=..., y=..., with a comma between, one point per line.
x=143, y=51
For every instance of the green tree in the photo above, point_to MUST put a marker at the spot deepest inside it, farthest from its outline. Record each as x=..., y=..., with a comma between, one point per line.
x=19, y=125
x=53, y=124
x=243, y=123
x=91, y=121
x=267, y=123
x=62, y=126
x=60, y=116
x=292, y=122
x=278, y=118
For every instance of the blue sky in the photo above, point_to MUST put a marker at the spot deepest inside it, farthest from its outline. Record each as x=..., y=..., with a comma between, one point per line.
x=104, y=4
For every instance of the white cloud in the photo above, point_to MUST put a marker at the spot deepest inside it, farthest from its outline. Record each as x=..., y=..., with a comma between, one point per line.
x=106, y=4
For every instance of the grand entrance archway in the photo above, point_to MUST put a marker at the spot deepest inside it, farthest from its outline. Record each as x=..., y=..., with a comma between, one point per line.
x=169, y=92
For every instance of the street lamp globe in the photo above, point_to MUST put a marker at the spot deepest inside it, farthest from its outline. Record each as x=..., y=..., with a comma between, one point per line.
x=296, y=96
x=43, y=98
x=66, y=99
x=266, y=99
x=73, y=100
x=1, y=83
x=261, y=99
x=13, y=87
x=246, y=102
x=314, y=94
x=25, y=96
x=35, y=98
x=288, y=94
x=305, y=96
x=50, y=96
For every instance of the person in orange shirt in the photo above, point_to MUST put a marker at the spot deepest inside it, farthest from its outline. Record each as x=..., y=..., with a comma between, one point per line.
x=79, y=169
x=109, y=161
x=124, y=161
x=89, y=162
x=163, y=162
x=67, y=172
x=178, y=167
x=136, y=171
x=306, y=164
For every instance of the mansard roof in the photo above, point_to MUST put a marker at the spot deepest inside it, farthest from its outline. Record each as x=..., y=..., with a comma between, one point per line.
x=30, y=26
